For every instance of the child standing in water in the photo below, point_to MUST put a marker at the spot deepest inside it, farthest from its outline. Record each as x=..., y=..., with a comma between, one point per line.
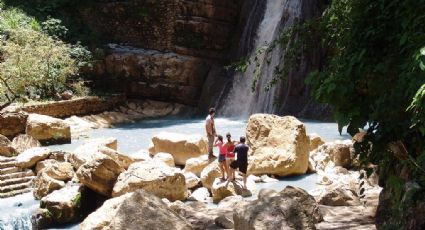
x=230, y=157
x=222, y=157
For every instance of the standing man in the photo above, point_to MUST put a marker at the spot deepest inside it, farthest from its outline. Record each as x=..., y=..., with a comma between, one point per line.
x=241, y=162
x=210, y=129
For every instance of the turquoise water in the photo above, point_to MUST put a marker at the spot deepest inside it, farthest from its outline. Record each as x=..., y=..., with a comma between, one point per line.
x=15, y=212
x=136, y=136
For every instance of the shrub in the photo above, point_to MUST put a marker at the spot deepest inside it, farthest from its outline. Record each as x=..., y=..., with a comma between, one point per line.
x=34, y=64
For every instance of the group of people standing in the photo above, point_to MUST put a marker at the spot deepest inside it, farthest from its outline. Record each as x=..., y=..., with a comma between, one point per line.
x=232, y=154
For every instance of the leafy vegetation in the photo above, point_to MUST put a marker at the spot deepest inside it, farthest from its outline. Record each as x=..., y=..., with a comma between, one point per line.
x=35, y=63
x=373, y=77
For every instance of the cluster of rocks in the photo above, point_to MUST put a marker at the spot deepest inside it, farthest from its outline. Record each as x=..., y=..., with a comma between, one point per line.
x=176, y=168
x=55, y=122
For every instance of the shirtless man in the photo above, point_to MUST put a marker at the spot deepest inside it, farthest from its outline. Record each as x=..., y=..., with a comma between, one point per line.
x=210, y=129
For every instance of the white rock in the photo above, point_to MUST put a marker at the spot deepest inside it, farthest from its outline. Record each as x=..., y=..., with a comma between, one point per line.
x=200, y=194
x=181, y=146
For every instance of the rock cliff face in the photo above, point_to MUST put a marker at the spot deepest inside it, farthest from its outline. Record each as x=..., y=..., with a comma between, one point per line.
x=166, y=48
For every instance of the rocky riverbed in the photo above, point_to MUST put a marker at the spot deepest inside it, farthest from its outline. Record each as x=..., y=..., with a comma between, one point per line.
x=98, y=184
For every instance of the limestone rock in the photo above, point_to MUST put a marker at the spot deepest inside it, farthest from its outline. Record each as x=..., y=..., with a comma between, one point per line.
x=196, y=165
x=136, y=210
x=230, y=202
x=324, y=180
x=331, y=154
x=23, y=142
x=209, y=174
x=267, y=179
x=41, y=219
x=12, y=124
x=224, y=221
x=57, y=170
x=87, y=152
x=279, y=145
x=6, y=148
x=166, y=158
x=191, y=180
x=222, y=189
x=100, y=174
x=63, y=204
x=48, y=130
x=30, y=157
x=155, y=178
x=109, y=142
x=60, y=155
x=315, y=141
x=200, y=194
x=142, y=155
x=339, y=197
x=292, y=208
x=43, y=185
x=181, y=146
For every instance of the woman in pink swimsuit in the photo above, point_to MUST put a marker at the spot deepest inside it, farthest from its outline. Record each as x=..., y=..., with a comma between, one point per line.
x=222, y=157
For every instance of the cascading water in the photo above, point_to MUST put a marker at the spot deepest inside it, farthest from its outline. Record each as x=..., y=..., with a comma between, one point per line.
x=15, y=212
x=242, y=100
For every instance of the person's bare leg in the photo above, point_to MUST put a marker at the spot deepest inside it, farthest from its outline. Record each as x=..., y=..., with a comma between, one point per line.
x=229, y=174
x=244, y=181
x=222, y=169
x=231, y=171
x=226, y=168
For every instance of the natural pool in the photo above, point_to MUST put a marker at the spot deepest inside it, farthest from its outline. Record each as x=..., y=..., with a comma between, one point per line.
x=15, y=212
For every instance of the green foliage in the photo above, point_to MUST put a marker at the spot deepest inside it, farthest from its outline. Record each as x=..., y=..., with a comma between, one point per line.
x=76, y=202
x=34, y=64
x=373, y=77
x=54, y=28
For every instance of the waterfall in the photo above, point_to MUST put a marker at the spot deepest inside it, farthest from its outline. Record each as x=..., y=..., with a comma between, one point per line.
x=242, y=100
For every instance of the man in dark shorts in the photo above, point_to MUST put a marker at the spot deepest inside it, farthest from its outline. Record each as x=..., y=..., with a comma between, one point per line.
x=241, y=162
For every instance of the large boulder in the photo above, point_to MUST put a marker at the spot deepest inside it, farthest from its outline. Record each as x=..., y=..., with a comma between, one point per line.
x=196, y=165
x=181, y=146
x=292, y=208
x=154, y=177
x=6, y=148
x=44, y=184
x=136, y=210
x=63, y=204
x=166, y=158
x=31, y=156
x=12, y=124
x=100, y=174
x=222, y=189
x=209, y=174
x=57, y=170
x=279, y=145
x=24, y=142
x=90, y=151
x=331, y=154
x=48, y=130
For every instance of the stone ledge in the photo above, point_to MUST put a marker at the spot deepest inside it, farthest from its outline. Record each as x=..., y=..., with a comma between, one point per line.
x=78, y=106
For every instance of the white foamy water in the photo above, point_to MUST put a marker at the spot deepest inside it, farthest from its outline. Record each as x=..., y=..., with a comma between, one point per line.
x=241, y=100
x=15, y=212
